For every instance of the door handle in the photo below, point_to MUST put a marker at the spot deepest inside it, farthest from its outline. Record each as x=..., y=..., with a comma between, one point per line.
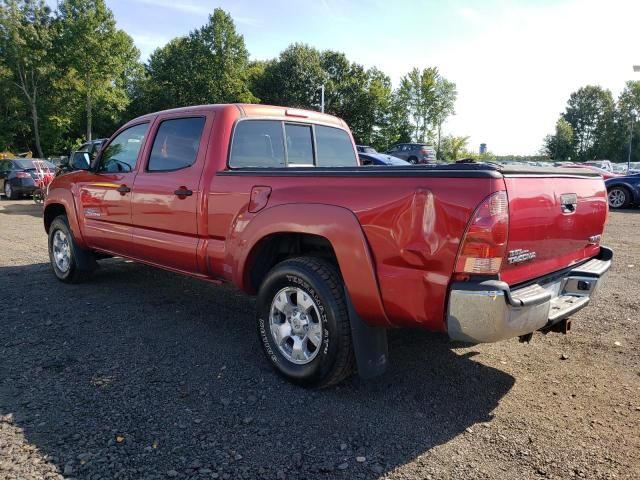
x=183, y=192
x=123, y=189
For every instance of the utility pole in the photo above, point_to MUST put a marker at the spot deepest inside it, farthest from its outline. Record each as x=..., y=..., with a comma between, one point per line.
x=630, y=142
x=322, y=98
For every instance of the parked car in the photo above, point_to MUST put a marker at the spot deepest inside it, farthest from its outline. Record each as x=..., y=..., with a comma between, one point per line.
x=365, y=149
x=623, y=192
x=381, y=159
x=603, y=164
x=606, y=174
x=335, y=252
x=18, y=176
x=413, y=152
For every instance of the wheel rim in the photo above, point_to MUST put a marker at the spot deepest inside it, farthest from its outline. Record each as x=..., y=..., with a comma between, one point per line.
x=7, y=189
x=295, y=325
x=617, y=198
x=61, y=251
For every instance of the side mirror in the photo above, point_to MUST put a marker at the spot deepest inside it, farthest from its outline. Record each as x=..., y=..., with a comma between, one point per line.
x=80, y=161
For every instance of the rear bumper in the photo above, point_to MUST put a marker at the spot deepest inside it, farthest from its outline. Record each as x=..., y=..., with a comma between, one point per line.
x=490, y=311
x=23, y=186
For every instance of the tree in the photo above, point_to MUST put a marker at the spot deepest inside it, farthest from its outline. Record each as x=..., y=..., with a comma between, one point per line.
x=25, y=43
x=293, y=79
x=444, y=106
x=627, y=123
x=221, y=60
x=590, y=111
x=559, y=146
x=417, y=92
x=210, y=65
x=95, y=56
x=454, y=148
x=429, y=100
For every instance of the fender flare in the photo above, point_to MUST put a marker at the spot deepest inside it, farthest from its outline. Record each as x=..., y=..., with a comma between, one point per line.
x=338, y=225
x=64, y=197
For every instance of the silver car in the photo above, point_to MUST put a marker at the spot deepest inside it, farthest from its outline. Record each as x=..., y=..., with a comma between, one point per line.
x=413, y=152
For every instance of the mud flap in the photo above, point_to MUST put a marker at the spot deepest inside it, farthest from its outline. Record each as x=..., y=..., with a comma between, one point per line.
x=369, y=345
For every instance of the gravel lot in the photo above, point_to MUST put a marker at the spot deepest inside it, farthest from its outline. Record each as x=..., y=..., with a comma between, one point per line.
x=144, y=374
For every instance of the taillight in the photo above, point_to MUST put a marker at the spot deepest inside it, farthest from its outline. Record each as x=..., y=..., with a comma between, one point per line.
x=22, y=175
x=485, y=242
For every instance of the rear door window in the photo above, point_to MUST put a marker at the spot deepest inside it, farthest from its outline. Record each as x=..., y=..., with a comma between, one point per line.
x=299, y=144
x=257, y=143
x=334, y=148
x=176, y=144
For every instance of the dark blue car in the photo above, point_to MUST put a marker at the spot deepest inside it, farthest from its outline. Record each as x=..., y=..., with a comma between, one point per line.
x=623, y=191
x=381, y=159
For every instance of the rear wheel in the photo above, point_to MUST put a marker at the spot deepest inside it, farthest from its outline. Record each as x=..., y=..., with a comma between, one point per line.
x=303, y=322
x=619, y=197
x=70, y=263
x=413, y=160
x=9, y=193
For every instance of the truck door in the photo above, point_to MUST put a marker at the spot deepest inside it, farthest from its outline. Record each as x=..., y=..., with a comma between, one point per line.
x=105, y=198
x=166, y=193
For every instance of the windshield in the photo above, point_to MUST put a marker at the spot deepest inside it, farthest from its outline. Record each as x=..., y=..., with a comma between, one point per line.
x=28, y=164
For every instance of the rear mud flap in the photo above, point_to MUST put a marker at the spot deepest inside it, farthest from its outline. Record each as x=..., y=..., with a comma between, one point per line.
x=369, y=345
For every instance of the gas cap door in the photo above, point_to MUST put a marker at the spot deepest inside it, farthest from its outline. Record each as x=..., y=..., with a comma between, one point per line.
x=259, y=198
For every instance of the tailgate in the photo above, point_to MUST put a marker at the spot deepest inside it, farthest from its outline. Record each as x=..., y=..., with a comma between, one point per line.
x=555, y=221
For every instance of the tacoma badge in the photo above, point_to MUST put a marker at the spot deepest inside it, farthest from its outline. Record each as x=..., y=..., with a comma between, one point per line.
x=520, y=255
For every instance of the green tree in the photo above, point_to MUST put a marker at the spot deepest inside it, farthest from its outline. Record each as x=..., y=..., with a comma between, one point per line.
x=95, y=57
x=454, y=148
x=417, y=92
x=444, y=106
x=590, y=111
x=210, y=65
x=293, y=79
x=559, y=146
x=627, y=124
x=25, y=43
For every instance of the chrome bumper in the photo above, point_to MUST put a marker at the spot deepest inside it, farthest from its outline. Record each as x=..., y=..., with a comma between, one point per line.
x=490, y=311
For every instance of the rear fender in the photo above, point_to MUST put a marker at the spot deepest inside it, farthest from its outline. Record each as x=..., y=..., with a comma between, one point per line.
x=338, y=225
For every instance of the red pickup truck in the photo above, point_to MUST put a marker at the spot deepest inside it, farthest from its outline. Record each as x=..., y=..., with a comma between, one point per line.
x=273, y=200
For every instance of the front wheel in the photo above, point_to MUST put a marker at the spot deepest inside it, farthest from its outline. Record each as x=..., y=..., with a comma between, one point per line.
x=70, y=262
x=303, y=322
x=619, y=197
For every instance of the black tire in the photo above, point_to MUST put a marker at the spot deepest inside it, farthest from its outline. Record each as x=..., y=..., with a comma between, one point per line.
x=413, y=160
x=9, y=192
x=81, y=263
x=623, y=193
x=320, y=280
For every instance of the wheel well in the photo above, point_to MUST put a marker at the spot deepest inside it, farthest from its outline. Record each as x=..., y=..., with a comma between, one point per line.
x=51, y=212
x=277, y=247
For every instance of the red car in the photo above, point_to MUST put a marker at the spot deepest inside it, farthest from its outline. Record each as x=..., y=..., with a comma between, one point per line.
x=274, y=201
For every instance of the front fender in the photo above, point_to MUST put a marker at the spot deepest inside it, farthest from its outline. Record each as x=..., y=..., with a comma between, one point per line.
x=64, y=197
x=338, y=225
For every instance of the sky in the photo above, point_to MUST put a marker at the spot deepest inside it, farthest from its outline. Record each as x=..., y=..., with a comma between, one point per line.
x=515, y=63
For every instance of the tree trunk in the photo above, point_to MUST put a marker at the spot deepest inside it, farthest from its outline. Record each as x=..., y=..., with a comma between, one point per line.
x=36, y=129
x=89, y=117
x=439, y=134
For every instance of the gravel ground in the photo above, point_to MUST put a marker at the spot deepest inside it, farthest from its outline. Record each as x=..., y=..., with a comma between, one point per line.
x=144, y=374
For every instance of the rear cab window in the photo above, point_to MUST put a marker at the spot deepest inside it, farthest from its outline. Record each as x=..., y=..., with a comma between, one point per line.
x=275, y=143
